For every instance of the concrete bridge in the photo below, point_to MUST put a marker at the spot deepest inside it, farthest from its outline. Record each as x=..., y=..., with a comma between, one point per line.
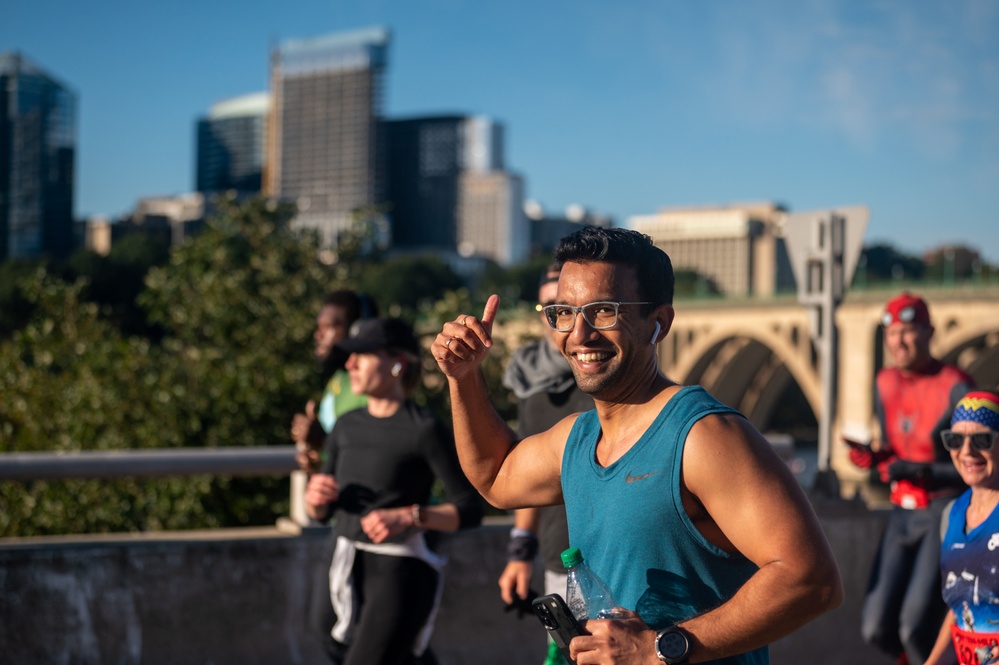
x=758, y=356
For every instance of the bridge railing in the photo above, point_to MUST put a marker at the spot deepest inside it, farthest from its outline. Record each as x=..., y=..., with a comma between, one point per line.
x=159, y=462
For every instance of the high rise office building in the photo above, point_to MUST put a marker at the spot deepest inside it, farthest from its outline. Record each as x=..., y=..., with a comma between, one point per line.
x=448, y=190
x=37, y=154
x=324, y=149
x=423, y=167
x=230, y=145
x=492, y=220
x=738, y=246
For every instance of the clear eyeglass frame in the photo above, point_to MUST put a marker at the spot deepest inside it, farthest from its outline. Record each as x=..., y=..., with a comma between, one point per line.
x=599, y=315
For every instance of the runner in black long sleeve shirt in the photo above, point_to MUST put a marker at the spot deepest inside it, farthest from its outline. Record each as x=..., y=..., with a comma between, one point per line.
x=376, y=480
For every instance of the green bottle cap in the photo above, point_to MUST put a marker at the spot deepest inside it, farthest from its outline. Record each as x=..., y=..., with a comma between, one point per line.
x=572, y=557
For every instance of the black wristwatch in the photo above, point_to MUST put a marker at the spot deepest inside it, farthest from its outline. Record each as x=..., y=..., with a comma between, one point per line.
x=673, y=645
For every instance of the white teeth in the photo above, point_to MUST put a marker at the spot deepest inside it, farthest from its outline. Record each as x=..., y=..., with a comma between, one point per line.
x=592, y=357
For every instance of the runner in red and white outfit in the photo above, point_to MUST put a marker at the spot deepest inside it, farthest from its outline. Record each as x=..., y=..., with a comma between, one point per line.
x=915, y=398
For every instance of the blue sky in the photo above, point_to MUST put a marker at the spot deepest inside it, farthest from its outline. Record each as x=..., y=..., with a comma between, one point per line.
x=622, y=107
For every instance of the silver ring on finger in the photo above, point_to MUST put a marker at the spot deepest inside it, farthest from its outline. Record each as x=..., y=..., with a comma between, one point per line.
x=462, y=322
x=447, y=345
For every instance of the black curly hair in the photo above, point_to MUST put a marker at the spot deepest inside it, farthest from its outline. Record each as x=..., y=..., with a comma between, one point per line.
x=626, y=247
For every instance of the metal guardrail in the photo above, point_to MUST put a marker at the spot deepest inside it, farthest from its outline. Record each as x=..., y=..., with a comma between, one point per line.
x=159, y=462
x=229, y=461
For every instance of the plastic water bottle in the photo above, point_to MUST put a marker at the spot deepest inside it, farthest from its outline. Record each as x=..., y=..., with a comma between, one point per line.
x=587, y=596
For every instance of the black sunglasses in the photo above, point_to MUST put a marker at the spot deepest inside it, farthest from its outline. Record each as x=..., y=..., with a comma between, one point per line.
x=979, y=440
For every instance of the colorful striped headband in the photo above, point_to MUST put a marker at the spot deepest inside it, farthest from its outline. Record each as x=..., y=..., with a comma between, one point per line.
x=978, y=407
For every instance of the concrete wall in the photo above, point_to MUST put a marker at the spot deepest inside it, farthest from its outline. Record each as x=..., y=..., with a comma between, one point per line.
x=240, y=597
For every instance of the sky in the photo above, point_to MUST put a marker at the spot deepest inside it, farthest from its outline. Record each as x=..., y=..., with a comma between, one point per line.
x=621, y=107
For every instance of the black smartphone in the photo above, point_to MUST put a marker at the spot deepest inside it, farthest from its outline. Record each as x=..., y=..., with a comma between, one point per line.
x=557, y=619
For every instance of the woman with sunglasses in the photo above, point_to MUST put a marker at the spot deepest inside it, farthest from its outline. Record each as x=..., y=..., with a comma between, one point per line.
x=969, y=559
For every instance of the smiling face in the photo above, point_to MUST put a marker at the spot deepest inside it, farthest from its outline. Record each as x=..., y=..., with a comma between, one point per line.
x=909, y=345
x=976, y=467
x=547, y=294
x=609, y=363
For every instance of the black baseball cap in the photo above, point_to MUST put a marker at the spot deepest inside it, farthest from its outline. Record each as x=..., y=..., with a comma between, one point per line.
x=369, y=335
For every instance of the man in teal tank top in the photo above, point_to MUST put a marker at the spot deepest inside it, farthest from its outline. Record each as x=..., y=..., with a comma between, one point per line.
x=677, y=502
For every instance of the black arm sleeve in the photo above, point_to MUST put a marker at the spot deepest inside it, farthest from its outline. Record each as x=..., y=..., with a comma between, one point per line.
x=437, y=445
x=328, y=461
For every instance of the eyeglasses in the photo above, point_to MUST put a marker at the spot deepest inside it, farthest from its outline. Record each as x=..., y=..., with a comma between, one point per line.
x=599, y=315
x=979, y=440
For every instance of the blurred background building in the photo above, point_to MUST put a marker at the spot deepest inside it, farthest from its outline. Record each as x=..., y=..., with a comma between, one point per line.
x=547, y=228
x=448, y=189
x=324, y=149
x=38, y=126
x=739, y=246
x=231, y=145
x=173, y=219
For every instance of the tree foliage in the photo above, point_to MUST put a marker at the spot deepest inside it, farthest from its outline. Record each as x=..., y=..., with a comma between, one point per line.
x=403, y=284
x=883, y=262
x=692, y=284
x=236, y=306
x=71, y=381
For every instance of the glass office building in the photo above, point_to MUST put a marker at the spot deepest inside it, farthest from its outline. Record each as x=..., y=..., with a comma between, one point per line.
x=37, y=155
x=230, y=146
x=448, y=190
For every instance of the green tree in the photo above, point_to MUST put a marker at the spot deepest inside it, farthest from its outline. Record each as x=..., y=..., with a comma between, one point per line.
x=692, y=284
x=517, y=284
x=883, y=262
x=116, y=280
x=15, y=306
x=70, y=381
x=402, y=284
x=236, y=305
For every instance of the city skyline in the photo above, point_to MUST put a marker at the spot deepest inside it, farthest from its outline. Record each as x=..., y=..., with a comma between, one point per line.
x=624, y=111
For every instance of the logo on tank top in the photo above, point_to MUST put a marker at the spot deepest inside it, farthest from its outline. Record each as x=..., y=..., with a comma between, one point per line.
x=905, y=424
x=628, y=478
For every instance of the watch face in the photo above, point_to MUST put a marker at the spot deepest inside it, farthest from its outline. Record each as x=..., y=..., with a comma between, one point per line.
x=673, y=645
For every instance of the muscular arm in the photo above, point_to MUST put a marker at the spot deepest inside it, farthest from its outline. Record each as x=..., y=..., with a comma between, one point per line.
x=507, y=475
x=754, y=505
x=741, y=497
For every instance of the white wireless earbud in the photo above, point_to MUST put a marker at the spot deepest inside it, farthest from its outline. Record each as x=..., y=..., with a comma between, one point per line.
x=655, y=334
x=397, y=369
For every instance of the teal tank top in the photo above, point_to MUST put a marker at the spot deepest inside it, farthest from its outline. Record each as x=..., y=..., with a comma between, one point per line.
x=629, y=522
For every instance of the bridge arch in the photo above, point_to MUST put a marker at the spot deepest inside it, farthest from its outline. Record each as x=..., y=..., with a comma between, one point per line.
x=974, y=348
x=754, y=370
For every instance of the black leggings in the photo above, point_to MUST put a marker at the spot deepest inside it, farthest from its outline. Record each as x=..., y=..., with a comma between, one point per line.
x=903, y=608
x=395, y=596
